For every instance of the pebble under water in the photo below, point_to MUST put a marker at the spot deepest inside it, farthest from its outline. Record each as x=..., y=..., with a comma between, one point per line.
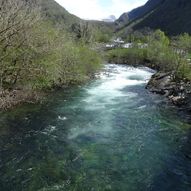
x=111, y=134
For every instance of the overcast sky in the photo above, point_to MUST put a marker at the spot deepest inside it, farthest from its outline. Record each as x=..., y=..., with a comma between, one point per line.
x=99, y=9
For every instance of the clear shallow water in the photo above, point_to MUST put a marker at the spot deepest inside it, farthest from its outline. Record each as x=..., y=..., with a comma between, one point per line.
x=111, y=134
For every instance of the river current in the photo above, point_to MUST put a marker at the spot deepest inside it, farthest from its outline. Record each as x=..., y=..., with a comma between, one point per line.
x=110, y=134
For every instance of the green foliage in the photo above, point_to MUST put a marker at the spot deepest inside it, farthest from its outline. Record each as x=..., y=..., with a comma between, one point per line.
x=102, y=32
x=159, y=37
x=102, y=37
x=34, y=54
x=57, y=15
x=83, y=32
x=158, y=52
x=65, y=62
x=183, y=71
x=132, y=56
x=183, y=43
x=89, y=60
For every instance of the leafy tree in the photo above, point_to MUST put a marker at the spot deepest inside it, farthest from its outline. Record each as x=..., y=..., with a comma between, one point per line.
x=83, y=31
x=35, y=55
x=17, y=19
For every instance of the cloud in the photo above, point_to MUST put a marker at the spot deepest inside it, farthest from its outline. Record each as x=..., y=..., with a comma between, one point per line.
x=98, y=9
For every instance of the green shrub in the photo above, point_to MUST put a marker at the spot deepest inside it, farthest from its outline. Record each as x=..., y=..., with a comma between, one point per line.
x=158, y=54
x=132, y=56
x=38, y=55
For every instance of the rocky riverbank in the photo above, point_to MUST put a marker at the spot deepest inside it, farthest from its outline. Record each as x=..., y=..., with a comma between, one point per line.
x=177, y=91
x=10, y=99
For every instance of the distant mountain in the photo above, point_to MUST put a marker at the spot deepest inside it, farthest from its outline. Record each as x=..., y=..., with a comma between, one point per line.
x=171, y=16
x=111, y=18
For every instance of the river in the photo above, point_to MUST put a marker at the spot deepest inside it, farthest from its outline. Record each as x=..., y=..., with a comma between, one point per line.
x=110, y=134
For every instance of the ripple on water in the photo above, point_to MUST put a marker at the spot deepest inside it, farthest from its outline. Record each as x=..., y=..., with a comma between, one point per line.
x=109, y=135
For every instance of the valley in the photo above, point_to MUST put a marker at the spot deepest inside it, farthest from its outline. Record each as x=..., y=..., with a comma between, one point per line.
x=95, y=105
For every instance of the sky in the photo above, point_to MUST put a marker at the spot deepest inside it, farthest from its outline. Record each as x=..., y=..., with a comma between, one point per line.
x=99, y=9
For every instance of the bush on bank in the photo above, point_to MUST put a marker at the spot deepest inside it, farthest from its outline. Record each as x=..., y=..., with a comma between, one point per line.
x=159, y=52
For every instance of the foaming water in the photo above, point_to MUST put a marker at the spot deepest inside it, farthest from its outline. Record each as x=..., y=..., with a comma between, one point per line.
x=111, y=134
x=104, y=94
x=110, y=86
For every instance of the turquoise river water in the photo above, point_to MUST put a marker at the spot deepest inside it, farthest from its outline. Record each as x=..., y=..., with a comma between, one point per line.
x=110, y=134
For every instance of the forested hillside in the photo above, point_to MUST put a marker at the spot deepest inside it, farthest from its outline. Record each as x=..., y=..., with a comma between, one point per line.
x=125, y=18
x=57, y=14
x=37, y=53
x=171, y=16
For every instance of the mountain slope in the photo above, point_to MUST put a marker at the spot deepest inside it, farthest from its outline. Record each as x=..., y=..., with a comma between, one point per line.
x=171, y=16
x=125, y=18
x=57, y=14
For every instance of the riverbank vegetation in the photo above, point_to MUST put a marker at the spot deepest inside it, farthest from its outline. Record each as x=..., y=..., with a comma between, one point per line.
x=38, y=52
x=157, y=51
x=36, y=56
